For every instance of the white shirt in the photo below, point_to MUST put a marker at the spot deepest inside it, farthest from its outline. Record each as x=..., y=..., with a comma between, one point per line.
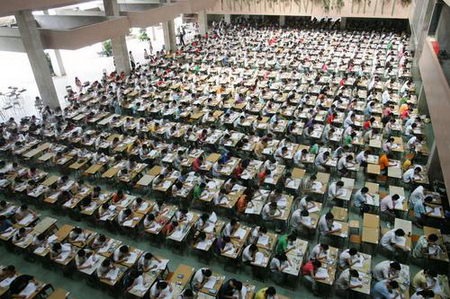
x=386, y=203
x=198, y=276
x=389, y=238
x=360, y=157
x=163, y=294
x=316, y=251
x=345, y=255
x=381, y=270
x=342, y=163
x=296, y=218
x=246, y=254
x=417, y=195
x=408, y=176
x=323, y=225
x=227, y=230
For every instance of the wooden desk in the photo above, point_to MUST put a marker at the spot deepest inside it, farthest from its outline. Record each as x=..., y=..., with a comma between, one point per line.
x=406, y=225
x=180, y=278
x=340, y=214
x=59, y=294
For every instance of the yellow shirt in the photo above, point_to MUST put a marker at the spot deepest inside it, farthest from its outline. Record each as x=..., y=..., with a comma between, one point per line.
x=259, y=148
x=261, y=294
x=419, y=281
x=406, y=165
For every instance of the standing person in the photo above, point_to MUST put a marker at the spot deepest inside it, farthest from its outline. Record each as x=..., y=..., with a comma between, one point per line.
x=150, y=46
x=182, y=34
x=133, y=64
x=146, y=57
x=78, y=83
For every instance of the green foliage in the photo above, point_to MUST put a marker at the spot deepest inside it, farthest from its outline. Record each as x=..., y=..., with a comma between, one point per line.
x=143, y=36
x=107, y=48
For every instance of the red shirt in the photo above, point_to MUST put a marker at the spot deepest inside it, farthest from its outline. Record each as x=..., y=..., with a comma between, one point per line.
x=262, y=176
x=330, y=119
x=367, y=124
x=196, y=165
x=308, y=269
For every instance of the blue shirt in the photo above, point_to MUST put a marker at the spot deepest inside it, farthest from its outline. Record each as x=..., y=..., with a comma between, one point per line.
x=4, y=225
x=380, y=290
x=419, y=209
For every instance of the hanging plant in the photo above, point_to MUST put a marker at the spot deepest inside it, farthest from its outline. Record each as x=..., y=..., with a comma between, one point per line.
x=406, y=2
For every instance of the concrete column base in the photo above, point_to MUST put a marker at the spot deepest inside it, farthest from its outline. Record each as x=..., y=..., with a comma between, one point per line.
x=120, y=52
x=170, y=41
x=33, y=45
x=202, y=22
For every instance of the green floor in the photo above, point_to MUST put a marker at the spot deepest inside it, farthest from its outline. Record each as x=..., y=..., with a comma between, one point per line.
x=81, y=288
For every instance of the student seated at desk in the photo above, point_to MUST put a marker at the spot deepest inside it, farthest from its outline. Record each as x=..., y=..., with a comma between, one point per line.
x=335, y=189
x=256, y=233
x=77, y=236
x=386, y=270
x=121, y=254
x=4, y=223
x=326, y=224
x=412, y=174
x=131, y=279
x=181, y=215
x=423, y=294
x=105, y=267
x=229, y=289
x=99, y=242
x=124, y=215
x=348, y=279
x=8, y=272
x=161, y=290
x=285, y=241
x=319, y=252
x=361, y=198
x=118, y=196
x=387, y=206
x=270, y=211
x=420, y=212
x=344, y=163
x=21, y=234
x=425, y=279
x=249, y=253
x=309, y=271
x=299, y=158
x=186, y=294
x=23, y=212
x=348, y=258
x=200, y=278
x=394, y=240
x=266, y=293
x=57, y=249
x=145, y=262
x=169, y=228
x=230, y=228
x=279, y=263
x=321, y=160
x=19, y=284
x=81, y=257
x=427, y=247
x=386, y=289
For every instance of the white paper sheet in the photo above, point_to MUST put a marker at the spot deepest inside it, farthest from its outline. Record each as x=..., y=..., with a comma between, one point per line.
x=29, y=289
x=210, y=283
x=322, y=273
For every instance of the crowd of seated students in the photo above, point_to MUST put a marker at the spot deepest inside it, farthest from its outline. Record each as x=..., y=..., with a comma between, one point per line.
x=253, y=100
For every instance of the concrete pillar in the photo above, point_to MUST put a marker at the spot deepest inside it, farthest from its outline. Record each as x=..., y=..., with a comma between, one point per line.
x=422, y=102
x=33, y=46
x=434, y=165
x=343, y=23
x=170, y=39
x=56, y=59
x=227, y=18
x=118, y=43
x=202, y=22
x=57, y=63
x=282, y=20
